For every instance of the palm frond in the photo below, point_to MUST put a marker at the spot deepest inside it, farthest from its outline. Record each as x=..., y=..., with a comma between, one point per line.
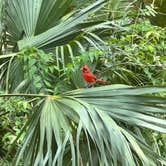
x=46, y=24
x=32, y=15
x=63, y=32
x=86, y=126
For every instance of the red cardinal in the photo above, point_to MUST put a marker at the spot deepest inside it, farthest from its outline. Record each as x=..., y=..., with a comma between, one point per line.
x=89, y=77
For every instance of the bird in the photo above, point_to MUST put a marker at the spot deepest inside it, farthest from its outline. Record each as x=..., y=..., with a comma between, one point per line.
x=89, y=77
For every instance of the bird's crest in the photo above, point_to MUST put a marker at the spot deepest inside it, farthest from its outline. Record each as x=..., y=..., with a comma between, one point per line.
x=85, y=68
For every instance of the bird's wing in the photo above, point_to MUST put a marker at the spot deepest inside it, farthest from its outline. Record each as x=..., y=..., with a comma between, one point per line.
x=92, y=76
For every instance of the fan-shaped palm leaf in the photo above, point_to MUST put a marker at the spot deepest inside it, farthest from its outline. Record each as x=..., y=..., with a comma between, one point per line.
x=28, y=18
x=88, y=126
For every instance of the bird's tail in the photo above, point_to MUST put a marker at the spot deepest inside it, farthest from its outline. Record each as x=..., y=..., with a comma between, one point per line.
x=103, y=82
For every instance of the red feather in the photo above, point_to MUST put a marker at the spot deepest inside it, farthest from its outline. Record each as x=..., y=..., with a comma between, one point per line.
x=89, y=77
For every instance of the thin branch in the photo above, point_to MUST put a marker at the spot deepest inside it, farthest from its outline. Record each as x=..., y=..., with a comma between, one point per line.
x=7, y=56
x=8, y=73
x=4, y=113
x=161, y=66
x=24, y=95
x=31, y=95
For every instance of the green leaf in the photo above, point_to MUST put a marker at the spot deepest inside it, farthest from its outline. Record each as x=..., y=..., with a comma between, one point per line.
x=95, y=125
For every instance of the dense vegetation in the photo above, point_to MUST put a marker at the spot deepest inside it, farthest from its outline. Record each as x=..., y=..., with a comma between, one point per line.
x=48, y=114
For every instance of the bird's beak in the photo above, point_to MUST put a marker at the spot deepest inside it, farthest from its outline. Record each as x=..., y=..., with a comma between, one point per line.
x=81, y=68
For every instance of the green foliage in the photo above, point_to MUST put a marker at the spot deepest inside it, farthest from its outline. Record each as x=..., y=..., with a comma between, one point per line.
x=14, y=113
x=149, y=10
x=101, y=125
x=36, y=66
x=141, y=50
